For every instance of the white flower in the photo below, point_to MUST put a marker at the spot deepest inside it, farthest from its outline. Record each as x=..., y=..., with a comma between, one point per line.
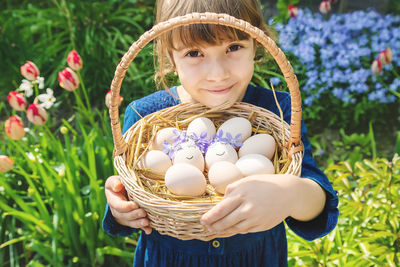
x=26, y=87
x=33, y=157
x=47, y=99
x=40, y=82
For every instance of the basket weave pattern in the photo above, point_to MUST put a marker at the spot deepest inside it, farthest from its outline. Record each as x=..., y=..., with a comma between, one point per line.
x=180, y=217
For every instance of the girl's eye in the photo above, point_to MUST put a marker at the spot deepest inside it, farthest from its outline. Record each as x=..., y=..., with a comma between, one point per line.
x=234, y=48
x=194, y=53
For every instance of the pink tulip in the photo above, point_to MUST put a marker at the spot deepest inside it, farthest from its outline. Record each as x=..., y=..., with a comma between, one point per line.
x=14, y=128
x=74, y=60
x=325, y=7
x=385, y=56
x=36, y=114
x=377, y=66
x=108, y=99
x=30, y=71
x=17, y=101
x=6, y=163
x=68, y=79
x=293, y=11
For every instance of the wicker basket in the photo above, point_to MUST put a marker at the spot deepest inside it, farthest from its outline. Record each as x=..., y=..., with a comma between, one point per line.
x=180, y=217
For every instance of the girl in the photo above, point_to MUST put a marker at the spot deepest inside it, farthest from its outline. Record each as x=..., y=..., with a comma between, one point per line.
x=214, y=65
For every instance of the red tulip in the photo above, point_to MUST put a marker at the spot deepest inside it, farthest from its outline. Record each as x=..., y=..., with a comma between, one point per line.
x=14, y=128
x=325, y=7
x=36, y=114
x=17, y=101
x=293, y=11
x=68, y=79
x=108, y=99
x=6, y=163
x=377, y=66
x=74, y=60
x=385, y=56
x=30, y=71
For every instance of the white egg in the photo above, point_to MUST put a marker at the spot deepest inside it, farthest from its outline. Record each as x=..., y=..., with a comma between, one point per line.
x=235, y=126
x=220, y=151
x=200, y=125
x=223, y=173
x=190, y=153
x=184, y=179
x=255, y=164
x=263, y=144
x=165, y=134
x=157, y=161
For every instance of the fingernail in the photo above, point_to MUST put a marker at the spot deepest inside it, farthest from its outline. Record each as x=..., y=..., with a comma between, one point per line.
x=144, y=223
x=202, y=222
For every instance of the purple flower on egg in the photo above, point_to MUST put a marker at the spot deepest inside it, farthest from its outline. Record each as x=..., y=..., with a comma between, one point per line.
x=169, y=149
x=202, y=142
x=234, y=141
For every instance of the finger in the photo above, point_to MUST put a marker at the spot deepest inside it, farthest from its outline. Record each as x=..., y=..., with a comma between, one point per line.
x=139, y=223
x=223, y=208
x=114, y=184
x=231, y=187
x=119, y=202
x=147, y=230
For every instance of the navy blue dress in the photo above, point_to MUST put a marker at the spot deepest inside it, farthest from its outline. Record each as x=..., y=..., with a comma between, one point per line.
x=268, y=248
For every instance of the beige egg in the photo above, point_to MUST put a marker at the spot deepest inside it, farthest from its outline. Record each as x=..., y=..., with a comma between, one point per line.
x=223, y=173
x=235, y=126
x=255, y=164
x=201, y=125
x=157, y=161
x=184, y=179
x=220, y=151
x=191, y=154
x=165, y=134
x=263, y=144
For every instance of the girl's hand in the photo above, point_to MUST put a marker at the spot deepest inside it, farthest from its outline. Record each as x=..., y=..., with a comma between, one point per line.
x=125, y=212
x=252, y=204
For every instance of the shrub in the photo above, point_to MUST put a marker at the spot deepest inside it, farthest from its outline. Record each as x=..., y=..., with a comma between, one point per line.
x=368, y=231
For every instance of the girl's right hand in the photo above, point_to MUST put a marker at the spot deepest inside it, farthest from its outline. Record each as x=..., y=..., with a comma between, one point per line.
x=125, y=212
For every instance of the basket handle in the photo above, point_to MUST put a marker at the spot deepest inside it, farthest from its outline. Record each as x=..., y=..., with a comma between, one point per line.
x=206, y=18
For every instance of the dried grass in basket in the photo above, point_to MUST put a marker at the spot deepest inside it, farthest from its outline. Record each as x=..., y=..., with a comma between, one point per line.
x=180, y=216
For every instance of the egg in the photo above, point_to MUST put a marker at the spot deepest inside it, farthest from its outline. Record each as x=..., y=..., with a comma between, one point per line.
x=263, y=144
x=201, y=125
x=220, y=151
x=190, y=153
x=165, y=134
x=184, y=179
x=157, y=161
x=255, y=164
x=223, y=173
x=235, y=126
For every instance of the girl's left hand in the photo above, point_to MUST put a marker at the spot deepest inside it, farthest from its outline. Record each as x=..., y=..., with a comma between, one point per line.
x=252, y=204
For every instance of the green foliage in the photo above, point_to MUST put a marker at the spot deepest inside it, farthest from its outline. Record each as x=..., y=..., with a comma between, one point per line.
x=101, y=31
x=282, y=6
x=368, y=231
x=53, y=200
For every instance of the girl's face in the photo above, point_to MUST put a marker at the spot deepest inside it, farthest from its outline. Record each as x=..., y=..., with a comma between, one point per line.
x=215, y=74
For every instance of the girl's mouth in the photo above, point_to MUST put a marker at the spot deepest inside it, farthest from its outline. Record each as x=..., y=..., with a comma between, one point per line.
x=221, y=91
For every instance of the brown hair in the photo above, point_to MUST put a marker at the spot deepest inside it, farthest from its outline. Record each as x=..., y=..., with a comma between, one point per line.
x=197, y=34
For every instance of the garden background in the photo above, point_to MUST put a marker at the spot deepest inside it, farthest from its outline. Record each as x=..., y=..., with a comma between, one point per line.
x=52, y=198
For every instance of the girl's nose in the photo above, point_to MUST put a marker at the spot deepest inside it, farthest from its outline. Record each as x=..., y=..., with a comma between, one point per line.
x=217, y=70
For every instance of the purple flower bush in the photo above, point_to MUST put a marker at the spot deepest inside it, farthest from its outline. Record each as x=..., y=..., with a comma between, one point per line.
x=335, y=54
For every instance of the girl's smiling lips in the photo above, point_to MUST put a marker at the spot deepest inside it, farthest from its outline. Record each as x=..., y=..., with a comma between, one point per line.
x=222, y=90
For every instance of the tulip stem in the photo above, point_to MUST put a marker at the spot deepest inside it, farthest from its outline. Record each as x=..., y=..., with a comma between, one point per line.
x=387, y=87
x=36, y=89
x=84, y=91
x=395, y=72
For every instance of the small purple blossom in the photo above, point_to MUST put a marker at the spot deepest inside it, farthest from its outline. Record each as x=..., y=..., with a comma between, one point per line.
x=234, y=141
x=169, y=149
x=180, y=137
x=201, y=141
